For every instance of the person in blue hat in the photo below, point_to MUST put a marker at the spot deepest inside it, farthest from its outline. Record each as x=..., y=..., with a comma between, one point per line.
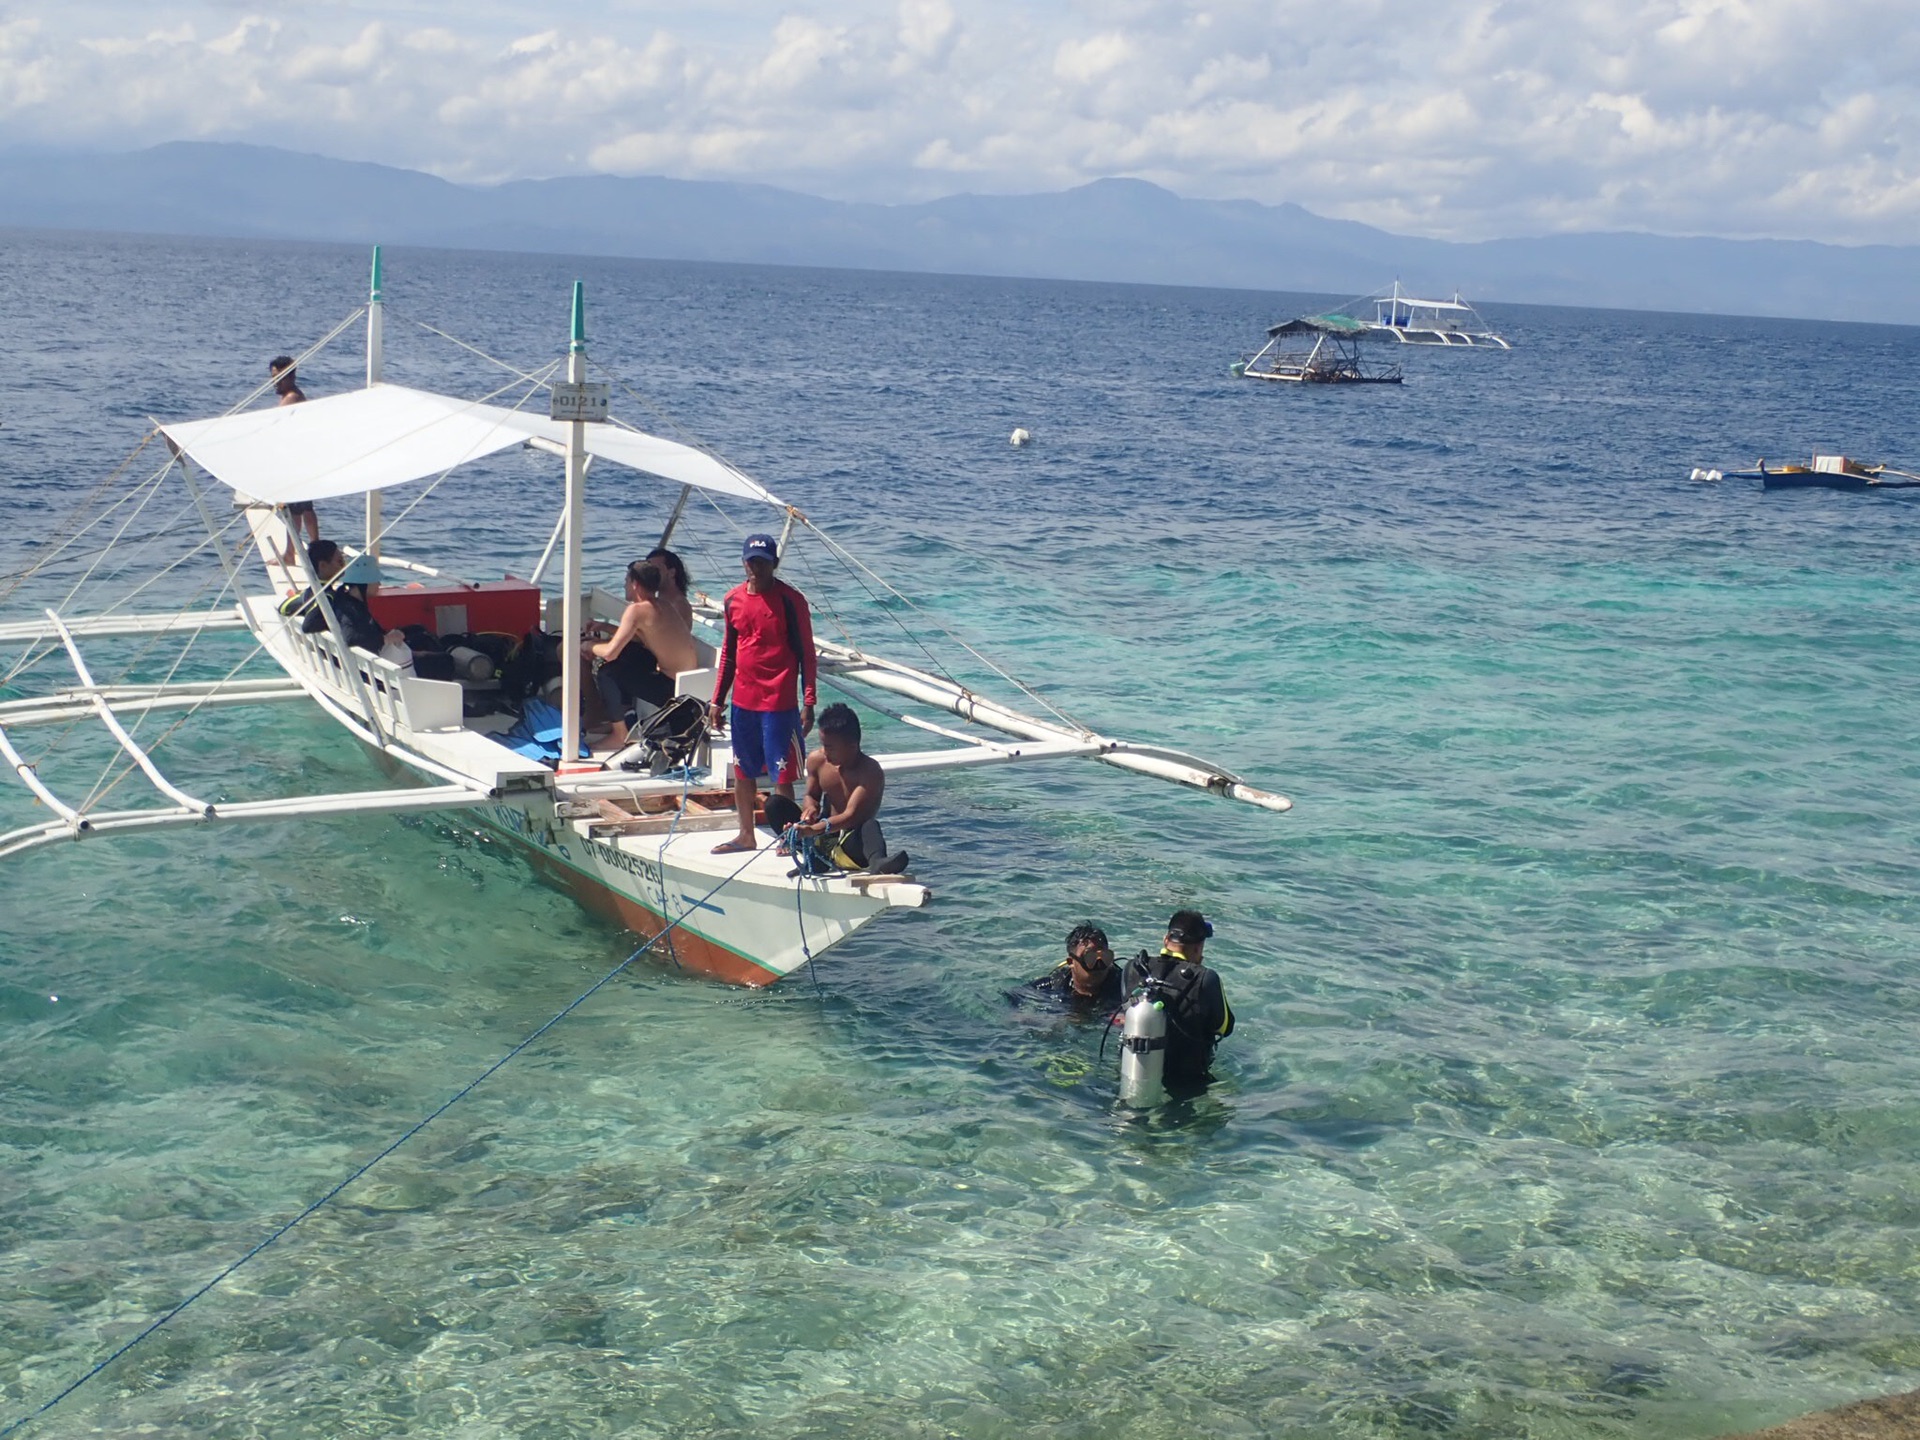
x=346, y=583
x=766, y=656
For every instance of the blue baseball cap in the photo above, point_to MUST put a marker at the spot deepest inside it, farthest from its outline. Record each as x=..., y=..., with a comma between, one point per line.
x=363, y=569
x=761, y=547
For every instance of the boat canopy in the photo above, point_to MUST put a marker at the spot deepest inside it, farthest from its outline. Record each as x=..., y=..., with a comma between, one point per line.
x=388, y=435
x=1342, y=325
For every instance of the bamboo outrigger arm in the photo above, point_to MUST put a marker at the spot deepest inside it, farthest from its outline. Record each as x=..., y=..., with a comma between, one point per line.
x=435, y=797
x=108, y=703
x=65, y=706
x=844, y=663
x=120, y=733
x=94, y=626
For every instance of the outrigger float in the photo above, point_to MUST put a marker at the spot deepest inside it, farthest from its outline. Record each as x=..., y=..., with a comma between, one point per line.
x=636, y=847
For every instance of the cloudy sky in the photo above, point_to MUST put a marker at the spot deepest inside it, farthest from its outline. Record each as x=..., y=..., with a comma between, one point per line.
x=1465, y=119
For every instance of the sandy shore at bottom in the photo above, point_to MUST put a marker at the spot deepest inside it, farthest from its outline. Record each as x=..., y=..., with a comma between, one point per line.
x=1891, y=1417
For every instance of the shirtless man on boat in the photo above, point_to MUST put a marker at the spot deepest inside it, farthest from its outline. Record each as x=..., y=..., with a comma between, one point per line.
x=673, y=582
x=301, y=519
x=844, y=788
x=639, y=658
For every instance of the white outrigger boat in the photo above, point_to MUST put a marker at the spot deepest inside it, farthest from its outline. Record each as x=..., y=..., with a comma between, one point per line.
x=637, y=847
x=1413, y=321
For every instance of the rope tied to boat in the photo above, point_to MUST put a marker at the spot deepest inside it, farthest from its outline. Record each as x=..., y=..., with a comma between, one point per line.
x=22, y=1421
x=805, y=852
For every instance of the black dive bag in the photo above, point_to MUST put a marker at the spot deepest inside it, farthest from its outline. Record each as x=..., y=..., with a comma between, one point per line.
x=670, y=735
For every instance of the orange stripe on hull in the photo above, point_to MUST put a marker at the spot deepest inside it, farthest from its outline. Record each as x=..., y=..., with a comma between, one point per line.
x=693, y=952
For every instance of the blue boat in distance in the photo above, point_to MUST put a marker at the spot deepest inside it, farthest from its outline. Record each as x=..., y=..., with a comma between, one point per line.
x=1827, y=472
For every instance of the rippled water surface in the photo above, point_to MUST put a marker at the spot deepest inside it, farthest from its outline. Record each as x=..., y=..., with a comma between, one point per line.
x=1575, y=1092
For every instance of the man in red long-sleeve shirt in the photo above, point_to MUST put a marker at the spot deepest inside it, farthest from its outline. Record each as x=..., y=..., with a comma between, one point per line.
x=767, y=652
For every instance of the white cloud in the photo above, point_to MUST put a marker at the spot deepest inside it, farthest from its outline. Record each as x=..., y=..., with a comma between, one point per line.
x=535, y=44
x=253, y=33
x=1085, y=61
x=1463, y=118
x=927, y=30
x=355, y=63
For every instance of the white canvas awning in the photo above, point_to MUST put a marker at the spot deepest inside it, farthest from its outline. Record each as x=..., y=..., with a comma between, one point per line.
x=388, y=435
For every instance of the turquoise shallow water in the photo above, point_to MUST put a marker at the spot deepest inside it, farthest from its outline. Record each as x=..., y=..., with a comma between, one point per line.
x=1575, y=1092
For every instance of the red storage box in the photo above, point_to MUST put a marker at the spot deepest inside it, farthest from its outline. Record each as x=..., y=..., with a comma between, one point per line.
x=510, y=607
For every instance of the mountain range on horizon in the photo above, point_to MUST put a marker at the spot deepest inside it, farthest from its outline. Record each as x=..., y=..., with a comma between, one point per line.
x=1112, y=230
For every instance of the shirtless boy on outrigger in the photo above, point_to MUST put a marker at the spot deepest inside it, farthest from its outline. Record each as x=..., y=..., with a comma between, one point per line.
x=844, y=788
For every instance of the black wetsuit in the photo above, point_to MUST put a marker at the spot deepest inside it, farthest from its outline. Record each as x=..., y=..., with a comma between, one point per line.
x=363, y=632
x=1056, y=988
x=1198, y=1016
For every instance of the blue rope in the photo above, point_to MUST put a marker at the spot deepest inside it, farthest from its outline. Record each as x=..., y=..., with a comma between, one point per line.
x=457, y=1097
x=803, y=850
x=686, y=788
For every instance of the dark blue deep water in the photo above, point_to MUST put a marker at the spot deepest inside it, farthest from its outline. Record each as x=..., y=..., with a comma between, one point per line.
x=1575, y=1092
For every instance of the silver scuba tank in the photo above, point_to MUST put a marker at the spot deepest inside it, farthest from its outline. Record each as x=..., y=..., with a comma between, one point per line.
x=470, y=664
x=1143, y=1053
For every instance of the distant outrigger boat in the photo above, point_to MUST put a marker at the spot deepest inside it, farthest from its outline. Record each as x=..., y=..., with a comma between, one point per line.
x=633, y=845
x=1431, y=322
x=1317, y=350
x=1827, y=472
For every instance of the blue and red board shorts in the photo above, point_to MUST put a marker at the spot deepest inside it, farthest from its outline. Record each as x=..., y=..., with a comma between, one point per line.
x=767, y=742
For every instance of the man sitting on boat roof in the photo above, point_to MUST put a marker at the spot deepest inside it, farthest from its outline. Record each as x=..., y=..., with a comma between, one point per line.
x=300, y=513
x=767, y=654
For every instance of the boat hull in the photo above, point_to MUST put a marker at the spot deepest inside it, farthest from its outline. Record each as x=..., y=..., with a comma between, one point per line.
x=1812, y=480
x=1450, y=338
x=740, y=919
x=1829, y=472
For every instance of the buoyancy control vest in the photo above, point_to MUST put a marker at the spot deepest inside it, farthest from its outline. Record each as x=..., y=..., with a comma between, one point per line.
x=1198, y=1015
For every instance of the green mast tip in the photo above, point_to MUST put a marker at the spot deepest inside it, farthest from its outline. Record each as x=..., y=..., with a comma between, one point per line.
x=579, y=344
x=375, y=292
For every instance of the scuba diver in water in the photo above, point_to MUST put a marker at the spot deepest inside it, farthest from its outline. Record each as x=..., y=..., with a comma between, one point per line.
x=1087, y=982
x=1197, y=1014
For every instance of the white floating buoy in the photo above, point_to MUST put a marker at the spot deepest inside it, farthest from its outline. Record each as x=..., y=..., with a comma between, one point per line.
x=1706, y=475
x=1021, y=436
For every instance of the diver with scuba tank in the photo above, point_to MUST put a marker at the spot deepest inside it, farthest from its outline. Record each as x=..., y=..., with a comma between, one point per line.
x=1176, y=1013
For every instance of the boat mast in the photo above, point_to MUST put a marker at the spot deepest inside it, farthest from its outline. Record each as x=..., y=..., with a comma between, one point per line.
x=673, y=520
x=570, y=595
x=375, y=362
